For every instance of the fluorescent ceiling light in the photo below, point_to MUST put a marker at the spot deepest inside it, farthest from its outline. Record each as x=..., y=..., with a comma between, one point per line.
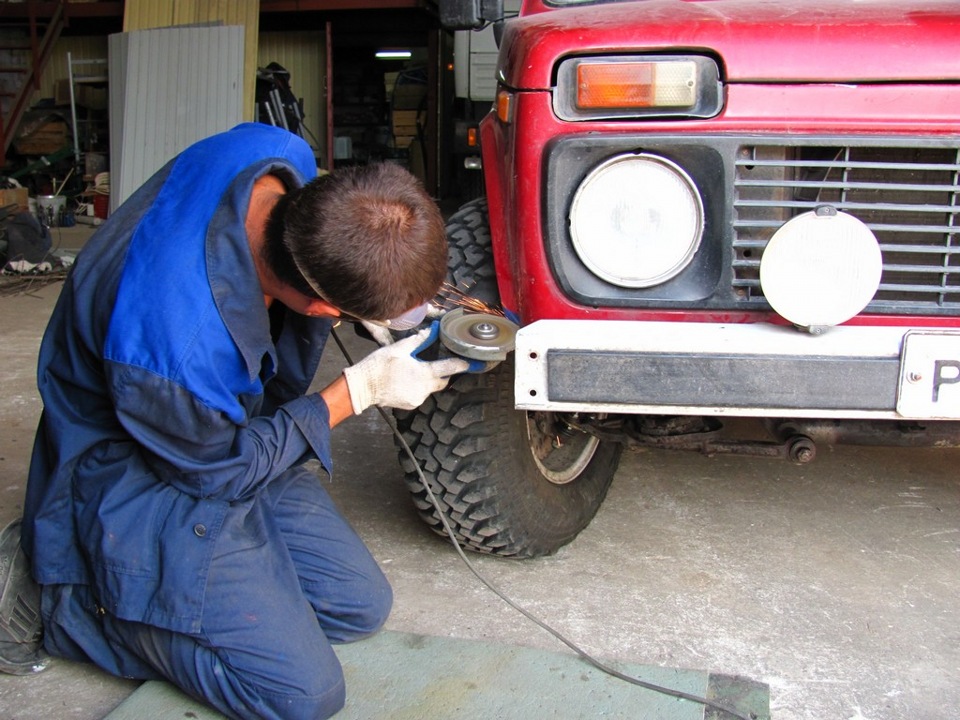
x=394, y=54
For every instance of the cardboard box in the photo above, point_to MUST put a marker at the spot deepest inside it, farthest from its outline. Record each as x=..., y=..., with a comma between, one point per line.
x=15, y=196
x=408, y=97
x=43, y=139
x=390, y=82
x=405, y=122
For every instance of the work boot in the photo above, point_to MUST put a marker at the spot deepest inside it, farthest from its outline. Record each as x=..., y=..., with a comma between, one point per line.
x=21, y=629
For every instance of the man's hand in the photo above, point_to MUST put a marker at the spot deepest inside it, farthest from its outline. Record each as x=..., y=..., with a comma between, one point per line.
x=381, y=335
x=393, y=376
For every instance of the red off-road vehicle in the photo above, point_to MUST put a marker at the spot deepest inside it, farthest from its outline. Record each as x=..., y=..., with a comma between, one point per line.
x=700, y=209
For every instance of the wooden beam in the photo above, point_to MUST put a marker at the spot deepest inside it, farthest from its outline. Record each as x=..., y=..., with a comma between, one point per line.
x=47, y=8
x=283, y=6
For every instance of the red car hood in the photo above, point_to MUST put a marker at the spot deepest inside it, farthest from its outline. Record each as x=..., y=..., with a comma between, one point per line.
x=832, y=41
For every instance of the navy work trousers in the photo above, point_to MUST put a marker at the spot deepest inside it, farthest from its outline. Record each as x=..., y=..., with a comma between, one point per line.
x=270, y=615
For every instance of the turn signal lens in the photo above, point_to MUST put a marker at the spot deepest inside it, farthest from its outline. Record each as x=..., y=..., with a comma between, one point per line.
x=629, y=85
x=504, y=106
x=637, y=86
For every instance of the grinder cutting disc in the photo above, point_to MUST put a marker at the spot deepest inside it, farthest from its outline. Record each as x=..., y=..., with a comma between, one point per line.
x=477, y=336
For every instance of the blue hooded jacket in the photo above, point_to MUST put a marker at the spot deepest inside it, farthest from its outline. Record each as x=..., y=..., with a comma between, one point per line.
x=171, y=395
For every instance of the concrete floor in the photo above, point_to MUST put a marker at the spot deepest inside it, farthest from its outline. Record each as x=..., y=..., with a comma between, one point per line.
x=836, y=582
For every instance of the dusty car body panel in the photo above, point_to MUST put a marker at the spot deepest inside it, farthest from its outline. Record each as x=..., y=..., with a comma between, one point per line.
x=513, y=171
x=869, y=90
x=818, y=41
x=762, y=37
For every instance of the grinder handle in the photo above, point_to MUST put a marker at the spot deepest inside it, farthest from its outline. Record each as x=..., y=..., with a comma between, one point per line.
x=476, y=366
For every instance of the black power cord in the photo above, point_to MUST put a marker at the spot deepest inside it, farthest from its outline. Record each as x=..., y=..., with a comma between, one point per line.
x=583, y=654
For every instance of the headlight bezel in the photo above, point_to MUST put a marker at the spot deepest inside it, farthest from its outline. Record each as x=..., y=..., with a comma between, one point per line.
x=567, y=162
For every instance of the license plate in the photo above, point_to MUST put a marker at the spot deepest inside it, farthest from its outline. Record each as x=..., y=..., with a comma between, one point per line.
x=930, y=375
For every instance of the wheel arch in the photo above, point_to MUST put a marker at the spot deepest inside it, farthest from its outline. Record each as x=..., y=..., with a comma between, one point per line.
x=496, y=160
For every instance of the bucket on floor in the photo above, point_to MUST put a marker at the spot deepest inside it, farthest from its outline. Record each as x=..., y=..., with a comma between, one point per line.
x=50, y=209
x=101, y=205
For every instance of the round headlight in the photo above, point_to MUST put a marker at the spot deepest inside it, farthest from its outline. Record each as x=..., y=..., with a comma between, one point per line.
x=637, y=220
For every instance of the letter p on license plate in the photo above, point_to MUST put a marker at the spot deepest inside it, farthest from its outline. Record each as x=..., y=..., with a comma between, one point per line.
x=930, y=375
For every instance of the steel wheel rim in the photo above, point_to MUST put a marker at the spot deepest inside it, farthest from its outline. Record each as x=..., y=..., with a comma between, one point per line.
x=560, y=460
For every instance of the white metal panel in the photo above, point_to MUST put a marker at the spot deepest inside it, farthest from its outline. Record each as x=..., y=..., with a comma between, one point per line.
x=117, y=71
x=750, y=340
x=149, y=14
x=475, y=64
x=169, y=88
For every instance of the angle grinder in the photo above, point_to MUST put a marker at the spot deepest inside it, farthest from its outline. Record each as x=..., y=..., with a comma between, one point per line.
x=478, y=336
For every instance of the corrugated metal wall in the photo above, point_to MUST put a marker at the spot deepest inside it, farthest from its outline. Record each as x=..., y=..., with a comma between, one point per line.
x=302, y=53
x=304, y=56
x=147, y=14
x=169, y=87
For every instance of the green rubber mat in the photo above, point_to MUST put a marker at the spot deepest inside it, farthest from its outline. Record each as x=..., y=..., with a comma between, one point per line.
x=404, y=676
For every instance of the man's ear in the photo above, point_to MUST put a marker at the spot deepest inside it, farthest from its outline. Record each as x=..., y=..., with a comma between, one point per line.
x=320, y=308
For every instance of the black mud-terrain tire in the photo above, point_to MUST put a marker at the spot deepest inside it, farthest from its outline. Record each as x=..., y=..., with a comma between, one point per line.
x=491, y=465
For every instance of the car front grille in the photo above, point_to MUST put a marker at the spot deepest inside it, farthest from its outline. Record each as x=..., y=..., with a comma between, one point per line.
x=908, y=197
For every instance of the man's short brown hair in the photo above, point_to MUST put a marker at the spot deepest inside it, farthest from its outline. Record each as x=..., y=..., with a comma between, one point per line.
x=367, y=239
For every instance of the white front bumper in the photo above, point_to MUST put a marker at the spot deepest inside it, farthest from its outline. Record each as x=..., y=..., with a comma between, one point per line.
x=756, y=370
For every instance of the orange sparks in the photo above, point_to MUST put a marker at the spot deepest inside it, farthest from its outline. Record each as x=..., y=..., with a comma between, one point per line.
x=450, y=297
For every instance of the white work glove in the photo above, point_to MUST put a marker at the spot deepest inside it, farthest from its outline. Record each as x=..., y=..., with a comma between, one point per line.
x=393, y=376
x=381, y=335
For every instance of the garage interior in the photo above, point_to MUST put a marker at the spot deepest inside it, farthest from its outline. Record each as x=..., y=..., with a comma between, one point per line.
x=828, y=590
